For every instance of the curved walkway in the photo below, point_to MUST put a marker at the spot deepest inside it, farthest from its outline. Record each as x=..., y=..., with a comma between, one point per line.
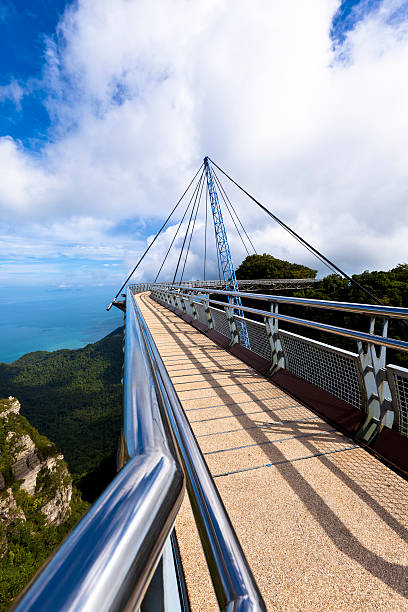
x=324, y=525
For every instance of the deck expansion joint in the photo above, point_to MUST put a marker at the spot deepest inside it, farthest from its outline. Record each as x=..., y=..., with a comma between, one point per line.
x=233, y=448
x=306, y=421
x=266, y=465
x=292, y=406
x=230, y=416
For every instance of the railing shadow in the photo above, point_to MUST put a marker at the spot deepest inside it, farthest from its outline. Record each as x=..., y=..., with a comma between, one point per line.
x=392, y=574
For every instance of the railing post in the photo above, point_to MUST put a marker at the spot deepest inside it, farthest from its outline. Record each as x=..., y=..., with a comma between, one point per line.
x=177, y=301
x=232, y=325
x=208, y=313
x=183, y=304
x=272, y=332
x=379, y=403
x=193, y=308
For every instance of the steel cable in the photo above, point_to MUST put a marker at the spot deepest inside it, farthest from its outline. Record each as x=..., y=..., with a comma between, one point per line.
x=154, y=239
x=192, y=231
x=331, y=265
x=195, y=193
x=224, y=193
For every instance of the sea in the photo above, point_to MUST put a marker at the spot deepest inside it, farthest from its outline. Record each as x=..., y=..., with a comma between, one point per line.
x=52, y=318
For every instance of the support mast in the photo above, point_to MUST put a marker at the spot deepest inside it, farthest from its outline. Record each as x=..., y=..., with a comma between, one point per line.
x=224, y=253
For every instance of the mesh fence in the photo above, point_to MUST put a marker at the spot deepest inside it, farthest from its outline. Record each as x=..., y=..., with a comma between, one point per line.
x=399, y=389
x=257, y=338
x=220, y=322
x=334, y=371
x=202, y=315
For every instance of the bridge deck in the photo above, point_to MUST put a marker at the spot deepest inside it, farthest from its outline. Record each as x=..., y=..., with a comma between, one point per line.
x=324, y=525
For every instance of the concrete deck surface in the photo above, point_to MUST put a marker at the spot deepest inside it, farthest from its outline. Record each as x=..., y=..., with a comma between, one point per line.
x=324, y=525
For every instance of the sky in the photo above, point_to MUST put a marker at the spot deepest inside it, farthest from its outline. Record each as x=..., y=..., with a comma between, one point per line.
x=107, y=110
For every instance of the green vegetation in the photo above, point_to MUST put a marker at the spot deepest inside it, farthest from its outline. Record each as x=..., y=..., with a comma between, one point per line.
x=266, y=266
x=390, y=287
x=74, y=397
x=36, y=506
x=30, y=543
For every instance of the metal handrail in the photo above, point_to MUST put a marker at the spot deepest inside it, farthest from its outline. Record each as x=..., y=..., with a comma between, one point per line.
x=325, y=327
x=368, y=309
x=261, y=281
x=107, y=562
x=234, y=584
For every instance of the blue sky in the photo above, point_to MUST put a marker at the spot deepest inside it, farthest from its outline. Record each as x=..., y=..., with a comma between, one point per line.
x=107, y=110
x=24, y=27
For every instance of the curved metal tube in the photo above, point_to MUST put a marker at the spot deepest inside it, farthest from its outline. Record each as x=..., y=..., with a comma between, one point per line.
x=393, y=343
x=107, y=562
x=400, y=345
x=396, y=312
x=232, y=578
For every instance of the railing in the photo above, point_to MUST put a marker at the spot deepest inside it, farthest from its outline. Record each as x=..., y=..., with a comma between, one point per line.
x=277, y=283
x=362, y=379
x=108, y=561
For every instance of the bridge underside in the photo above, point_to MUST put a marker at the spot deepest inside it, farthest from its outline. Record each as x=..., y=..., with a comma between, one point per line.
x=324, y=524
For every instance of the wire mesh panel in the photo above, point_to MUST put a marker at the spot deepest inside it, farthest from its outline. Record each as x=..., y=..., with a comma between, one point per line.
x=202, y=315
x=257, y=338
x=329, y=368
x=220, y=322
x=398, y=380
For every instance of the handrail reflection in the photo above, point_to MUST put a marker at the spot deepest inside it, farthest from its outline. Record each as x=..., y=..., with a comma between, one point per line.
x=108, y=560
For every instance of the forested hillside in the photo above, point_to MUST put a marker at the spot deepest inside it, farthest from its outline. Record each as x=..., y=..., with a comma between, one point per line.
x=266, y=266
x=74, y=397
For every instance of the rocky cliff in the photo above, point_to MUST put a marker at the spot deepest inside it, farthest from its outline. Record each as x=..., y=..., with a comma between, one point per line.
x=32, y=472
x=38, y=504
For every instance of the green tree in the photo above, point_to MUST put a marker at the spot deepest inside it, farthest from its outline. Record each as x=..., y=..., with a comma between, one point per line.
x=267, y=266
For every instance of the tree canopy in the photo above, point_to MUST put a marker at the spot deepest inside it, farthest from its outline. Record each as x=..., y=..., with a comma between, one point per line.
x=267, y=266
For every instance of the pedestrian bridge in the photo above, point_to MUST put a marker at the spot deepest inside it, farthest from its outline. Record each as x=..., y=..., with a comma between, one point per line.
x=293, y=453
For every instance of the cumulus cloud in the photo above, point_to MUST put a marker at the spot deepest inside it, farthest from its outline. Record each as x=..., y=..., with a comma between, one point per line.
x=139, y=92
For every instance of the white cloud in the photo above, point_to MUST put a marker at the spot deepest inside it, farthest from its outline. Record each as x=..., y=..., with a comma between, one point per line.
x=13, y=91
x=139, y=92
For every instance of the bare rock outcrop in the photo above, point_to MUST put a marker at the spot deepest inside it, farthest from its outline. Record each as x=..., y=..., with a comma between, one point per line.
x=31, y=470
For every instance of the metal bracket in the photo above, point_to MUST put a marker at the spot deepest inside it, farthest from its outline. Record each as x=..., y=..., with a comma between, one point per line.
x=379, y=403
x=193, y=309
x=232, y=326
x=272, y=332
x=209, y=315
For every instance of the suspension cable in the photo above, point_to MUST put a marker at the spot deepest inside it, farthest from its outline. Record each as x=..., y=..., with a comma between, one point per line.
x=306, y=244
x=230, y=214
x=154, y=239
x=232, y=206
x=308, y=247
x=192, y=231
x=174, y=238
x=195, y=193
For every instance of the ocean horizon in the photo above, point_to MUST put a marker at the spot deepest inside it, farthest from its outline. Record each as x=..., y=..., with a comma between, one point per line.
x=52, y=318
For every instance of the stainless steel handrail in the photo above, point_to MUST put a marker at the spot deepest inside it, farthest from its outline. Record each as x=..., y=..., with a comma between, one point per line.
x=234, y=584
x=368, y=309
x=393, y=343
x=261, y=281
x=107, y=562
